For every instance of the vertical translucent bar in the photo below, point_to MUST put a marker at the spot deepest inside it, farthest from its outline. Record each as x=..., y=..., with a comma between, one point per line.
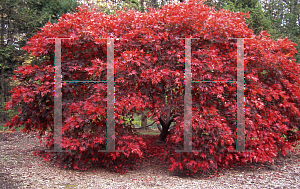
x=57, y=98
x=188, y=98
x=240, y=97
x=110, y=145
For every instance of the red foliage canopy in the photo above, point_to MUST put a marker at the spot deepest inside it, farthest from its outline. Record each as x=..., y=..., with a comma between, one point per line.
x=149, y=75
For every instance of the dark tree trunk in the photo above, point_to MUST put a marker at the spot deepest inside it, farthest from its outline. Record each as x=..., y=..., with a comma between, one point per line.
x=2, y=30
x=159, y=127
x=165, y=131
x=165, y=128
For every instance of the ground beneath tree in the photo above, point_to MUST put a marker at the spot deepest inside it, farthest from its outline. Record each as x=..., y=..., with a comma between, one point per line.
x=20, y=169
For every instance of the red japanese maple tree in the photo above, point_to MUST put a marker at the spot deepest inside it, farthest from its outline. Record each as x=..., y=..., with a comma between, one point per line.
x=149, y=67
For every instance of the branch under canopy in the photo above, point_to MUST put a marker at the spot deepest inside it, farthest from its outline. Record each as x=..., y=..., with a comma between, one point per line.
x=146, y=125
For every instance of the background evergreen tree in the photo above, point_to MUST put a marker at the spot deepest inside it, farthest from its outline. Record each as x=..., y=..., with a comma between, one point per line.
x=279, y=17
x=20, y=20
x=285, y=17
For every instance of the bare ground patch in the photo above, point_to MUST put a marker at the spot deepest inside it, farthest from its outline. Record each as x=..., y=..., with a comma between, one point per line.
x=20, y=169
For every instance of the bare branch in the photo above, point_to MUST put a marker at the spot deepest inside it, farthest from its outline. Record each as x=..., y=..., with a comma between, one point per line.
x=173, y=117
x=168, y=113
x=70, y=6
x=145, y=126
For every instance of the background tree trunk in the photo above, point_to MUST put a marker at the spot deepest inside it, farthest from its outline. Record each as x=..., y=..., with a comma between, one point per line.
x=144, y=120
x=2, y=95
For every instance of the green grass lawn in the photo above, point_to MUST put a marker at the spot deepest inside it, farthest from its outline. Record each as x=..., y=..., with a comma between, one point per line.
x=2, y=128
x=145, y=132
